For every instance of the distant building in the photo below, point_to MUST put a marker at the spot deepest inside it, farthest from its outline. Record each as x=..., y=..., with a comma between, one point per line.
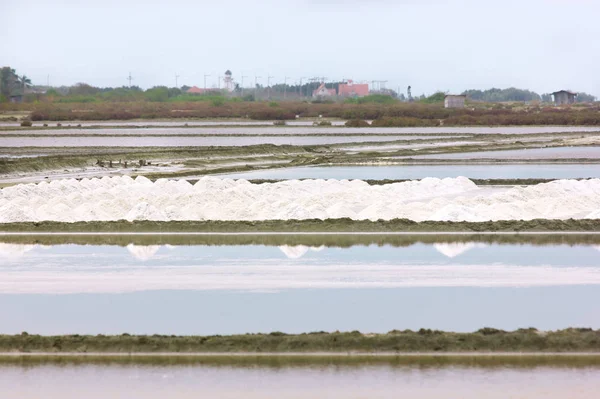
x=198, y=90
x=351, y=89
x=454, y=100
x=323, y=91
x=564, y=97
x=228, y=81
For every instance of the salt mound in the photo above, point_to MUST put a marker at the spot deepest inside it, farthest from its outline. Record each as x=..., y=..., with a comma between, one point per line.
x=454, y=249
x=12, y=251
x=143, y=252
x=298, y=251
x=211, y=198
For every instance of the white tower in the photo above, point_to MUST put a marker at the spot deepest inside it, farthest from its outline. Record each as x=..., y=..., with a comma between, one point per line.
x=229, y=85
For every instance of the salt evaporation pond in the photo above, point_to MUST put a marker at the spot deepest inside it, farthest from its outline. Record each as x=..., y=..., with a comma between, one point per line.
x=162, y=288
x=500, y=171
x=529, y=153
x=459, y=199
x=185, y=141
x=185, y=381
x=301, y=127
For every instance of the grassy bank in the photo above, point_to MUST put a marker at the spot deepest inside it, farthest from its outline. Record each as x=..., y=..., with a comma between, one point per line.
x=309, y=225
x=318, y=361
x=327, y=240
x=424, y=340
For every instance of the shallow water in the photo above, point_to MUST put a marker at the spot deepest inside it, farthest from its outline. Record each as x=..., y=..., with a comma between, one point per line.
x=199, y=289
x=301, y=127
x=183, y=141
x=182, y=382
x=531, y=153
x=520, y=171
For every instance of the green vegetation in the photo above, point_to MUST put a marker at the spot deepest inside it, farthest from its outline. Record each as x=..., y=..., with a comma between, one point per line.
x=217, y=106
x=372, y=99
x=437, y=97
x=310, y=226
x=502, y=95
x=425, y=340
x=357, y=123
x=317, y=361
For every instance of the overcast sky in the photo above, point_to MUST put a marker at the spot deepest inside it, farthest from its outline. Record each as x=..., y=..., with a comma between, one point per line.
x=448, y=45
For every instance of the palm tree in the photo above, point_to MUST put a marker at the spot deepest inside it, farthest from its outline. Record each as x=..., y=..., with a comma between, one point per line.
x=25, y=82
x=8, y=77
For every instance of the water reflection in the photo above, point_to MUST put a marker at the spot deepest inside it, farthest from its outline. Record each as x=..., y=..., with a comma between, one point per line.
x=92, y=381
x=297, y=283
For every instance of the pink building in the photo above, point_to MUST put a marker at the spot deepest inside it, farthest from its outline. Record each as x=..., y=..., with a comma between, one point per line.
x=351, y=89
x=323, y=91
x=198, y=90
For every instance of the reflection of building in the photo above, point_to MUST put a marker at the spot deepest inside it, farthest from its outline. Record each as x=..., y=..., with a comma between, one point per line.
x=454, y=100
x=351, y=89
x=564, y=97
x=323, y=91
x=228, y=80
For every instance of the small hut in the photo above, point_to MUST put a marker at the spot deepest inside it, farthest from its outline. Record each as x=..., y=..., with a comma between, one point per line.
x=563, y=97
x=454, y=100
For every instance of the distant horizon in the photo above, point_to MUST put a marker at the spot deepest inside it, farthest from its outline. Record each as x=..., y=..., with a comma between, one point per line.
x=291, y=83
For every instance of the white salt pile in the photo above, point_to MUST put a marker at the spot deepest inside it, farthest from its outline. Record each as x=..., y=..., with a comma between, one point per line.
x=459, y=199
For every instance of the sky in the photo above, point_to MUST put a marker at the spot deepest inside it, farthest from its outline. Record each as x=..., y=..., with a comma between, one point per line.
x=431, y=45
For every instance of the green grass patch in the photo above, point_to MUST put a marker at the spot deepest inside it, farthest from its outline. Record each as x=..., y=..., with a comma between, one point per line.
x=425, y=340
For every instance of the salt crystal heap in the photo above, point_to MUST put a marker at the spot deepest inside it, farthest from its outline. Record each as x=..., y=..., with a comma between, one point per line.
x=458, y=199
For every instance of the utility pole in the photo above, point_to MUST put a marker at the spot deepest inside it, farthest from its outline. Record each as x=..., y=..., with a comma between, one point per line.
x=256, y=86
x=205, y=76
x=243, y=84
x=300, y=91
x=48, y=81
x=285, y=86
x=269, y=77
x=130, y=78
x=176, y=80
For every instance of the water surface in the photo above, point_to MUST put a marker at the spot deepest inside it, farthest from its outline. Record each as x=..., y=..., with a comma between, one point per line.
x=208, y=289
x=295, y=127
x=529, y=153
x=183, y=382
x=185, y=141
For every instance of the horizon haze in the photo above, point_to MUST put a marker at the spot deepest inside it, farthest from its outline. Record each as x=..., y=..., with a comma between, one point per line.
x=431, y=45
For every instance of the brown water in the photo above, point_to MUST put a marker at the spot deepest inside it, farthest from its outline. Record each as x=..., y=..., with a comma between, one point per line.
x=329, y=381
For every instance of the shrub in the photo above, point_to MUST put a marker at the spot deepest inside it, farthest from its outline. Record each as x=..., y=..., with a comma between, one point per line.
x=490, y=331
x=279, y=123
x=26, y=123
x=356, y=123
x=403, y=122
x=217, y=101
